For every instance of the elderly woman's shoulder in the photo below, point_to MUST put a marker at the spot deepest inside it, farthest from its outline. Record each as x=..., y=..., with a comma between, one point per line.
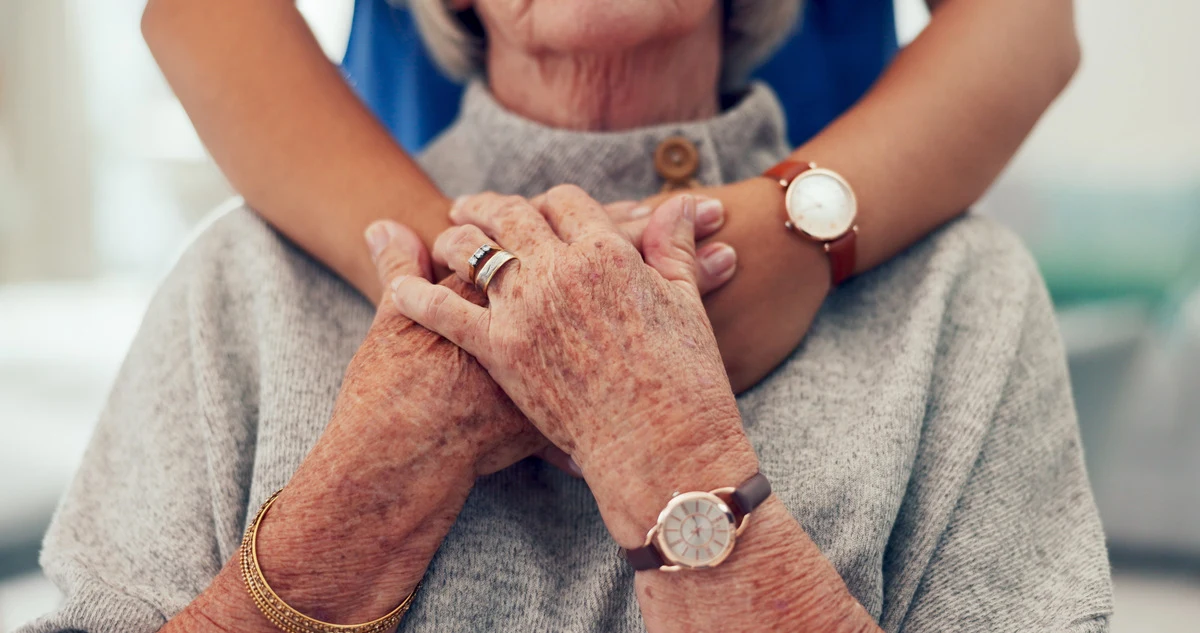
x=236, y=265
x=972, y=254
x=971, y=283
x=976, y=243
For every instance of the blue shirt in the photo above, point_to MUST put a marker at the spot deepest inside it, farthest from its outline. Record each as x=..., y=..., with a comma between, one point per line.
x=821, y=70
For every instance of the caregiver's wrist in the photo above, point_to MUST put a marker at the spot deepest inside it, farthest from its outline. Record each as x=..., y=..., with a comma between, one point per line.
x=807, y=263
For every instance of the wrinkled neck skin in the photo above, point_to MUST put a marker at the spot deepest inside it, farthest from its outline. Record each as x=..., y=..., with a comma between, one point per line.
x=664, y=80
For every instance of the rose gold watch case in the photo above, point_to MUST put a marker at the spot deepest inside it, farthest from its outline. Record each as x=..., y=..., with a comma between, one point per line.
x=813, y=170
x=657, y=534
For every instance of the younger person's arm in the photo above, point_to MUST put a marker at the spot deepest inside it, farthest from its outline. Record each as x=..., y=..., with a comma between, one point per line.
x=292, y=137
x=924, y=144
x=287, y=131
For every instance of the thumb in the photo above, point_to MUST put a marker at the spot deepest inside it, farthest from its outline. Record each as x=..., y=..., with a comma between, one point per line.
x=397, y=252
x=669, y=243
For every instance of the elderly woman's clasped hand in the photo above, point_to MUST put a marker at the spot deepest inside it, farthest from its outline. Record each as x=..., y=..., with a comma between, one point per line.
x=611, y=358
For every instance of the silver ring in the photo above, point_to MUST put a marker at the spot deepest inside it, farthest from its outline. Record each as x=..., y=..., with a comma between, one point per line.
x=491, y=267
x=479, y=254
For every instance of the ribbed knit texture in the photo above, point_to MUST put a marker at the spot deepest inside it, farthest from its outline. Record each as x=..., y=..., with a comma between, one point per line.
x=923, y=433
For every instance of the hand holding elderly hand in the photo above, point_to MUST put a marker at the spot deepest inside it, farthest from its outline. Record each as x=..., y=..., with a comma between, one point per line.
x=716, y=261
x=498, y=434
x=781, y=283
x=612, y=359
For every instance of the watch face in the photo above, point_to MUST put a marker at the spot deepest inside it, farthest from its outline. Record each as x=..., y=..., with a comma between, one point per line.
x=696, y=529
x=821, y=204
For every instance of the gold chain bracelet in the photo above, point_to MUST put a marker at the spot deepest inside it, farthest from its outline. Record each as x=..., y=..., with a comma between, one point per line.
x=284, y=616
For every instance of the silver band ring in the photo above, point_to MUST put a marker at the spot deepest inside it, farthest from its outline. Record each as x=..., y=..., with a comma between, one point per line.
x=492, y=266
x=478, y=255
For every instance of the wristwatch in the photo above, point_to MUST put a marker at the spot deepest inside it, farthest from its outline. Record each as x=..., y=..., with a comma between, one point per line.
x=820, y=206
x=698, y=530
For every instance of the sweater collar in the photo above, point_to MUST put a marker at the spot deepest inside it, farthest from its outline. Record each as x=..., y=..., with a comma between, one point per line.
x=520, y=156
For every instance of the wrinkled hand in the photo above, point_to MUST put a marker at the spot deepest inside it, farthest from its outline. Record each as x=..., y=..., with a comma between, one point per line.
x=782, y=280
x=597, y=348
x=716, y=261
x=409, y=375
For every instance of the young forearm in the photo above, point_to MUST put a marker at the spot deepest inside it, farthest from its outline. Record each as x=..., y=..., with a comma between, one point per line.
x=947, y=116
x=922, y=146
x=287, y=131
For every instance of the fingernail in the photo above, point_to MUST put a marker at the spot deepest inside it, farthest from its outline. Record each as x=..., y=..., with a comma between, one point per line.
x=719, y=261
x=639, y=212
x=458, y=203
x=689, y=208
x=710, y=213
x=378, y=235
x=574, y=467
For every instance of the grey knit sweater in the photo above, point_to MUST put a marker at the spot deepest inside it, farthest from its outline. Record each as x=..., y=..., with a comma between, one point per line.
x=923, y=433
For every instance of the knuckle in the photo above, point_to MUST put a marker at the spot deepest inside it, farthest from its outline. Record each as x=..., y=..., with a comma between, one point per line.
x=510, y=204
x=506, y=208
x=463, y=239
x=512, y=201
x=511, y=214
x=484, y=198
x=472, y=204
x=392, y=264
x=443, y=246
x=435, y=303
x=613, y=241
x=655, y=241
x=566, y=191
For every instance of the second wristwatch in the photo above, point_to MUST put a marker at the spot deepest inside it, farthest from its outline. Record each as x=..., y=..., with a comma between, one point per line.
x=821, y=206
x=698, y=529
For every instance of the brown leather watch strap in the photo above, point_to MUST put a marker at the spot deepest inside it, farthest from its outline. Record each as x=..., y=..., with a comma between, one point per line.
x=842, y=251
x=842, y=255
x=745, y=498
x=786, y=171
x=750, y=494
x=643, y=558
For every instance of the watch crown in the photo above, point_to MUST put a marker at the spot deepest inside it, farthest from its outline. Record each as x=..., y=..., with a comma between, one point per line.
x=674, y=494
x=788, y=225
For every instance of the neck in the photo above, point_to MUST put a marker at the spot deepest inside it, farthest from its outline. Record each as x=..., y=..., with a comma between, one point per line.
x=667, y=80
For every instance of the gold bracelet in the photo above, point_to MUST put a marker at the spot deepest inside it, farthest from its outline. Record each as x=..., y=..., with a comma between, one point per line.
x=285, y=617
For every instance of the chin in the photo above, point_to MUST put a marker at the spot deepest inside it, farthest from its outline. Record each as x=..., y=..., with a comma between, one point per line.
x=592, y=25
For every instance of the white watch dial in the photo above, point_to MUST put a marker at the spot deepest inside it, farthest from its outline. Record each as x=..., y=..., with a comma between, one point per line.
x=821, y=203
x=696, y=530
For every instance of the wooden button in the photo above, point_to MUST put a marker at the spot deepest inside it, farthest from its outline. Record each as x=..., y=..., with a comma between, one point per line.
x=676, y=159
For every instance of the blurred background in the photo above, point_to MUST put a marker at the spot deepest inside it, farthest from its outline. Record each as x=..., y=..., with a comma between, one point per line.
x=102, y=179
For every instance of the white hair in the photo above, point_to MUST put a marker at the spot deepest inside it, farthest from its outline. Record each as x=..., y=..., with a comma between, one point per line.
x=753, y=30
